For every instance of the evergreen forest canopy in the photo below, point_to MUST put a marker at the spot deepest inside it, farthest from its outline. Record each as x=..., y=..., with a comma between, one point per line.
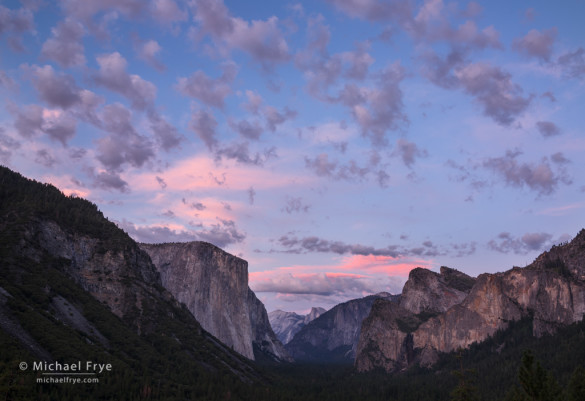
x=511, y=365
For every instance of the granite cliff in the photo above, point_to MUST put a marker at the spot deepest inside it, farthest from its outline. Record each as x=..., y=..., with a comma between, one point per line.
x=551, y=291
x=213, y=284
x=73, y=285
x=287, y=324
x=333, y=336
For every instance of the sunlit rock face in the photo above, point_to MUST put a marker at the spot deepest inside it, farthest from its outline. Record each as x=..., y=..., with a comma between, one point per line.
x=213, y=284
x=438, y=315
x=427, y=291
x=386, y=339
x=287, y=324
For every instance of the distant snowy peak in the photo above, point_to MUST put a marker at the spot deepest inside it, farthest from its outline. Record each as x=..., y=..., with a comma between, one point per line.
x=286, y=324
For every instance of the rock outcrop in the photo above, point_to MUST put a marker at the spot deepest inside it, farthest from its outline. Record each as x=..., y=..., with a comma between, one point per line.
x=122, y=276
x=430, y=292
x=213, y=284
x=287, y=324
x=551, y=291
x=386, y=339
x=333, y=336
x=263, y=338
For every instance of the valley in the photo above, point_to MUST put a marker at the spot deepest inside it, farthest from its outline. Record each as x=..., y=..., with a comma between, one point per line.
x=178, y=321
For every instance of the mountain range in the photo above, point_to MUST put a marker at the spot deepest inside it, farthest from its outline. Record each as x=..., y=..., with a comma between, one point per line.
x=440, y=313
x=179, y=321
x=287, y=324
x=333, y=336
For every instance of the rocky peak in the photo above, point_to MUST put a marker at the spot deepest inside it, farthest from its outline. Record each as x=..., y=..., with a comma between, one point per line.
x=430, y=292
x=313, y=314
x=451, y=310
x=456, y=279
x=567, y=258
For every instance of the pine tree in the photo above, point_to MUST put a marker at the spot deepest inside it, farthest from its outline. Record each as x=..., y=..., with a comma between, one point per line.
x=576, y=388
x=537, y=383
x=466, y=389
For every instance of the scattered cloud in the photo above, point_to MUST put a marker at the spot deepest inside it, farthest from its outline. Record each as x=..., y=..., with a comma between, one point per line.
x=168, y=12
x=261, y=39
x=326, y=284
x=65, y=46
x=322, y=167
x=57, y=90
x=113, y=76
x=408, y=152
x=161, y=182
x=547, y=128
x=274, y=118
x=295, y=205
x=203, y=123
x=537, y=44
x=31, y=120
x=494, y=90
x=166, y=135
x=15, y=23
x=110, y=181
x=209, y=91
x=373, y=10
x=315, y=244
x=538, y=177
x=148, y=51
x=529, y=242
x=124, y=144
x=222, y=234
x=573, y=63
x=250, y=130
x=44, y=157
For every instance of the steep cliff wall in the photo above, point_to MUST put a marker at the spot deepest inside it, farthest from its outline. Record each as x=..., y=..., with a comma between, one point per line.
x=263, y=337
x=551, y=290
x=213, y=284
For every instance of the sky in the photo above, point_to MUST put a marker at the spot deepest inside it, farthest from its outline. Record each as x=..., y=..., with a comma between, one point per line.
x=333, y=144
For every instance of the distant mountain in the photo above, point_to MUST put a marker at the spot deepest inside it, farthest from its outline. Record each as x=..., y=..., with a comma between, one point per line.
x=287, y=324
x=214, y=286
x=74, y=287
x=333, y=336
x=445, y=312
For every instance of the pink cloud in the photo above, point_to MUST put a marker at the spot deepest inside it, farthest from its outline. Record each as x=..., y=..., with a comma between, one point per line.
x=354, y=276
x=67, y=186
x=203, y=172
x=382, y=264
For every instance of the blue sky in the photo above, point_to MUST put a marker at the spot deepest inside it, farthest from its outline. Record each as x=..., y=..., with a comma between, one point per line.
x=333, y=144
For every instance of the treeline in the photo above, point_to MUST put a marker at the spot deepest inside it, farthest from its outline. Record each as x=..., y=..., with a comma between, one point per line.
x=497, y=369
x=22, y=199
